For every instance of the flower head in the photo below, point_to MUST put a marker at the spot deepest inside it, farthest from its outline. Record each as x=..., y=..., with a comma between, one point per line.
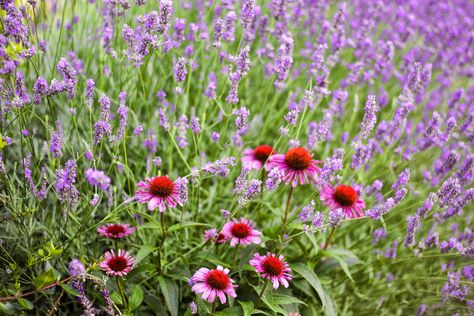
x=160, y=190
x=297, y=164
x=115, y=231
x=212, y=234
x=241, y=232
x=344, y=197
x=212, y=283
x=256, y=158
x=273, y=268
x=117, y=264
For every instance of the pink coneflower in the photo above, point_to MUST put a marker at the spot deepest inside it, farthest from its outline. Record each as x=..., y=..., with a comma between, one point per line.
x=115, y=231
x=158, y=190
x=273, y=268
x=117, y=264
x=297, y=164
x=212, y=234
x=256, y=158
x=344, y=197
x=212, y=283
x=241, y=232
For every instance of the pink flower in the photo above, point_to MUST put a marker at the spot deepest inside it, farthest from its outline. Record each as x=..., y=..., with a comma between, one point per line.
x=297, y=164
x=273, y=268
x=117, y=264
x=256, y=158
x=241, y=232
x=159, y=190
x=115, y=231
x=212, y=234
x=212, y=283
x=344, y=197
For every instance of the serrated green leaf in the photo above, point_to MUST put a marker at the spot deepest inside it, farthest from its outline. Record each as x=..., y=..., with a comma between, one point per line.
x=69, y=289
x=44, y=279
x=136, y=298
x=144, y=251
x=314, y=281
x=26, y=304
x=247, y=307
x=169, y=288
x=282, y=299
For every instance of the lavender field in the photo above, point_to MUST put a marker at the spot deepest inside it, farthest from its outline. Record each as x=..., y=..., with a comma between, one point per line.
x=236, y=157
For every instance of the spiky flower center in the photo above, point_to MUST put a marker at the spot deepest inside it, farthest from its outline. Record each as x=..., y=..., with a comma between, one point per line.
x=241, y=230
x=118, y=263
x=272, y=266
x=298, y=158
x=345, y=195
x=115, y=229
x=261, y=153
x=218, y=280
x=161, y=186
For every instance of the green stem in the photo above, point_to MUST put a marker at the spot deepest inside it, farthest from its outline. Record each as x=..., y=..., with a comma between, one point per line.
x=235, y=254
x=120, y=286
x=262, y=291
x=331, y=235
x=214, y=306
x=287, y=209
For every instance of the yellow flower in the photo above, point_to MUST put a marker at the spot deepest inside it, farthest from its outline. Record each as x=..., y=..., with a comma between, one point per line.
x=2, y=142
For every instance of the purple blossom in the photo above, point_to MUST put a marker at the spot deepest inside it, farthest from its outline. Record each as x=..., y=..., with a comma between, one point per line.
x=97, y=178
x=195, y=126
x=65, y=179
x=369, y=120
x=219, y=167
x=180, y=70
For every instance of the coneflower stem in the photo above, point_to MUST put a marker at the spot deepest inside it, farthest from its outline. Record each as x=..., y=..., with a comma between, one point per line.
x=262, y=291
x=120, y=286
x=287, y=209
x=214, y=305
x=328, y=240
x=235, y=254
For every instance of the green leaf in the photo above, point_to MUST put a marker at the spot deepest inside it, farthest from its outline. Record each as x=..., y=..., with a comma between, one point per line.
x=150, y=226
x=231, y=311
x=314, y=281
x=282, y=299
x=177, y=227
x=25, y=303
x=44, y=279
x=267, y=298
x=247, y=306
x=170, y=293
x=344, y=257
x=136, y=298
x=144, y=251
x=69, y=289
x=116, y=298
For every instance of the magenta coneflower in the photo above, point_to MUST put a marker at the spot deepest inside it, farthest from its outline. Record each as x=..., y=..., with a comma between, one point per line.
x=212, y=283
x=212, y=234
x=115, y=231
x=272, y=268
x=256, y=158
x=117, y=264
x=344, y=197
x=158, y=190
x=241, y=233
x=297, y=164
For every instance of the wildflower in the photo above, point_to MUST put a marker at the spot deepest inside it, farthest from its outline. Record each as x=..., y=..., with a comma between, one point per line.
x=65, y=179
x=180, y=70
x=97, y=178
x=336, y=216
x=344, y=197
x=117, y=264
x=159, y=190
x=297, y=164
x=212, y=283
x=76, y=268
x=195, y=126
x=369, y=120
x=275, y=178
x=115, y=231
x=212, y=234
x=272, y=268
x=242, y=232
x=219, y=167
x=256, y=158
x=193, y=308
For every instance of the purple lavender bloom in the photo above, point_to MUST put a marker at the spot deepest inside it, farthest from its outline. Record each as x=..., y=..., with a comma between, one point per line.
x=252, y=190
x=164, y=19
x=195, y=126
x=180, y=70
x=369, y=120
x=215, y=137
x=275, y=178
x=76, y=268
x=378, y=234
x=65, y=179
x=97, y=178
x=402, y=180
x=336, y=216
x=307, y=212
x=219, y=167
x=449, y=191
x=40, y=89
